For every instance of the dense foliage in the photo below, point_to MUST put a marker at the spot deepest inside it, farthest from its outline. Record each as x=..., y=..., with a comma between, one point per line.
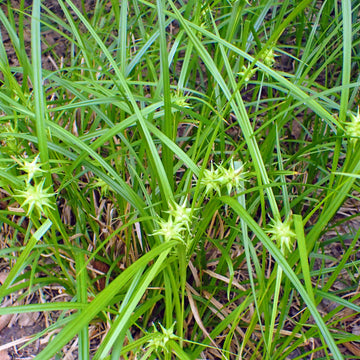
x=171, y=172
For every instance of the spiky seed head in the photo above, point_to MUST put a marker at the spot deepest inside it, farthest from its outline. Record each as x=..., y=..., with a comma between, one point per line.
x=32, y=168
x=170, y=229
x=211, y=180
x=36, y=198
x=282, y=234
x=249, y=75
x=180, y=100
x=181, y=214
x=353, y=127
x=160, y=339
x=232, y=177
x=102, y=185
x=269, y=57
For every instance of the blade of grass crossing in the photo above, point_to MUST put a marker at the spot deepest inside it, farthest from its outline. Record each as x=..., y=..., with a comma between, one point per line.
x=334, y=276
x=22, y=56
x=270, y=344
x=167, y=124
x=335, y=272
x=184, y=74
x=126, y=190
x=75, y=31
x=168, y=316
x=251, y=258
x=339, y=300
x=122, y=43
x=325, y=292
x=228, y=322
x=347, y=61
x=141, y=53
x=285, y=194
x=179, y=301
x=81, y=289
x=305, y=269
x=337, y=198
x=121, y=333
x=58, y=306
x=39, y=100
x=178, y=351
x=266, y=5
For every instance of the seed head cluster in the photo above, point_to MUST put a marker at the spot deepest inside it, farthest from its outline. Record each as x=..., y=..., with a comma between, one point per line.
x=230, y=178
x=178, y=223
x=35, y=197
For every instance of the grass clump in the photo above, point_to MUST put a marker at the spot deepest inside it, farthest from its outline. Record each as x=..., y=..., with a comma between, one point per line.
x=177, y=169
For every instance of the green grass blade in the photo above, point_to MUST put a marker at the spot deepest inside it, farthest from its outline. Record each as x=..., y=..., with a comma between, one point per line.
x=305, y=269
x=168, y=127
x=39, y=99
x=81, y=287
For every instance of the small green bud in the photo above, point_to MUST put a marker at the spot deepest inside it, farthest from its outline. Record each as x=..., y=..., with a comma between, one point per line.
x=282, y=234
x=353, y=127
x=160, y=340
x=249, y=74
x=268, y=57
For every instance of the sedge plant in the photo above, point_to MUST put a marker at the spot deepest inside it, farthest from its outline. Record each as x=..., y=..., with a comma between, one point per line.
x=177, y=170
